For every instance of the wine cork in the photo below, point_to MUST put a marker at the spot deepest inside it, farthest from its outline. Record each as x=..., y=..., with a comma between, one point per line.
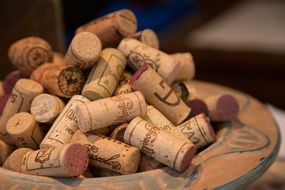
x=147, y=164
x=147, y=36
x=83, y=50
x=123, y=88
x=29, y=53
x=186, y=66
x=14, y=161
x=110, y=111
x=112, y=27
x=159, y=144
x=222, y=107
x=62, y=161
x=107, y=153
x=2, y=91
x=3, y=100
x=190, y=96
x=60, y=80
x=23, y=93
x=24, y=130
x=5, y=150
x=58, y=58
x=46, y=108
x=105, y=75
x=140, y=54
x=198, y=130
x=160, y=95
x=10, y=81
x=65, y=124
x=156, y=118
x=119, y=132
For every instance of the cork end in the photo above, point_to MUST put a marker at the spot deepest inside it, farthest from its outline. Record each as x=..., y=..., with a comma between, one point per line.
x=127, y=22
x=197, y=106
x=138, y=74
x=186, y=160
x=75, y=159
x=227, y=107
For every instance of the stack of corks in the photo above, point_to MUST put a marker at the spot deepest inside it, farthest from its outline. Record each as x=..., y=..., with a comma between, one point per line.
x=114, y=104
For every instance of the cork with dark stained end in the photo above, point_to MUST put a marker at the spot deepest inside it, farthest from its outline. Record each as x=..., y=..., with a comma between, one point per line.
x=160, y=95
x=119, y=132
x=110, y=111
x=75, y=159
x=198, y=130
x=83, y=50
x=222, y=107
x=108, y=153
x=5, y=150
x=148, y=37
x=70, y=160
x=197, y=106
x=29, y=53
x=10, y=81
x=140, y=54
x=23, y=93
x=159, y=144
x=14, y=161
x=112, y=27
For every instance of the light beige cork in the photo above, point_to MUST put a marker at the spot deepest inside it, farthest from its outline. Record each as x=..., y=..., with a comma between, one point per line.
x=110, y=111
x=118, y=132
x=108, y=153
x=147, y=164
x=83, y=50
x=112, y=27
x=60, y=80
x=105, y=75
x=147, y=36
x=186, y=66
x=140, y=54
x=198, y=130
x=65, y=124
x=46, y=108
x=29, y=53
x=5, y=150
x=62, y=161
x=158, y=119
x=158, y=144
x=25, y=131
x=160, y=95
x=23, y=93
x=14, y=161
x=222, y=107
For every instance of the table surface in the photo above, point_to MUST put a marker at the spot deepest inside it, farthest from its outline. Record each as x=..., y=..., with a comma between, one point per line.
x=245, y=148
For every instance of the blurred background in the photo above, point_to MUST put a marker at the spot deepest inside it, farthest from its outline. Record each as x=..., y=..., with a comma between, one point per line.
x=240, y=44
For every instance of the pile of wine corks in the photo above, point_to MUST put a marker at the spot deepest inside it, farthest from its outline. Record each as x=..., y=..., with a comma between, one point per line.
x=114, y=104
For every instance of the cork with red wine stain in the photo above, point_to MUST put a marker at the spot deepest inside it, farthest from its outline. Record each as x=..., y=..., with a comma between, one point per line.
x=10, y=81
x=62, y=161
x=160, y=95
x=158, y=144
x=222, y=107
x=197, y=106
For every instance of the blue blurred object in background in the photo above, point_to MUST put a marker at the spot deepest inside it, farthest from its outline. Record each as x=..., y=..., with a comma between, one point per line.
x=156, y=14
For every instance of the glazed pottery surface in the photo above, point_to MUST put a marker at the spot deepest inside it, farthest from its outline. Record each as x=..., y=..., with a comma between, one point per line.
x=245, y=148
